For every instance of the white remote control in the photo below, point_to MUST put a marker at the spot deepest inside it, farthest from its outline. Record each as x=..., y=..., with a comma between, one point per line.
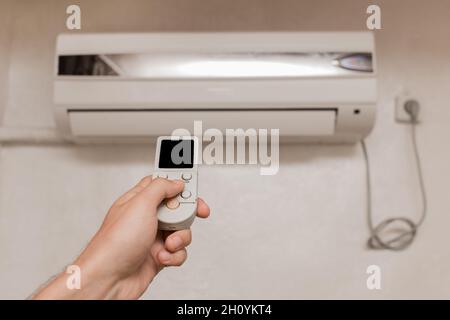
x=176, y=159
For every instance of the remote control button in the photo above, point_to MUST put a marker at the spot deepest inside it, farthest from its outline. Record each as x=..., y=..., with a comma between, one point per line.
x=186, y=176
x=172, y=203
x=186, y=194
x=163, y=175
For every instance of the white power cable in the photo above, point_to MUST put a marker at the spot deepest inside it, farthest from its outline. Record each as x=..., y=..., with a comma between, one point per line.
x=404, y=236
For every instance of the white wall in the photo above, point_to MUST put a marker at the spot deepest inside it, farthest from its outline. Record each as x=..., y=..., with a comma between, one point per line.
x=5, y=43
x=299, y=234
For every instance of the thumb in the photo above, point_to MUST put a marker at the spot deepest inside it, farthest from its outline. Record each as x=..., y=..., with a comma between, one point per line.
x=158, y=190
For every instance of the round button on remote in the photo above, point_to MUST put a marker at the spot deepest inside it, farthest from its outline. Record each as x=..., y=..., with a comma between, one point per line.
x=172, y=203
x=186, y=194
x=186, y=176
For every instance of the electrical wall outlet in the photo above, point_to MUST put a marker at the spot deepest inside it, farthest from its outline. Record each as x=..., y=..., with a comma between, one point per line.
x=400, y=113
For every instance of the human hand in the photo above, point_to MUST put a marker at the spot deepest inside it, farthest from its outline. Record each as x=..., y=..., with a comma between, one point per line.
x=128, y=250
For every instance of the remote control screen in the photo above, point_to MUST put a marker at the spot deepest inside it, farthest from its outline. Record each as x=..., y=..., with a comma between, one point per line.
x=176, y=154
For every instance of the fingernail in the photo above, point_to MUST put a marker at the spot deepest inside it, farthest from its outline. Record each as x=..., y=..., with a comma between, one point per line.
x=179, y=182
x=177, y=242
x=164, y=256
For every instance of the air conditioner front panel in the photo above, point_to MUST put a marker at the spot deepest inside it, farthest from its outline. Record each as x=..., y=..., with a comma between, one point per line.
x=230, y=93
x=141, y=123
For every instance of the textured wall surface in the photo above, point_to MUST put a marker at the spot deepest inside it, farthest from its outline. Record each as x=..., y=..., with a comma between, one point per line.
x=299, y=234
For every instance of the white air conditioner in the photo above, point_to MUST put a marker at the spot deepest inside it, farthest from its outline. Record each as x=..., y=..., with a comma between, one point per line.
x=312, y=86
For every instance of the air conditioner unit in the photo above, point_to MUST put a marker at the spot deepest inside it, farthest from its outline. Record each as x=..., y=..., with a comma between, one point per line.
x=312, y=86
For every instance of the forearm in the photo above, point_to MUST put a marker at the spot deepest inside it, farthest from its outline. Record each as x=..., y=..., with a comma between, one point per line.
x=93, y=285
